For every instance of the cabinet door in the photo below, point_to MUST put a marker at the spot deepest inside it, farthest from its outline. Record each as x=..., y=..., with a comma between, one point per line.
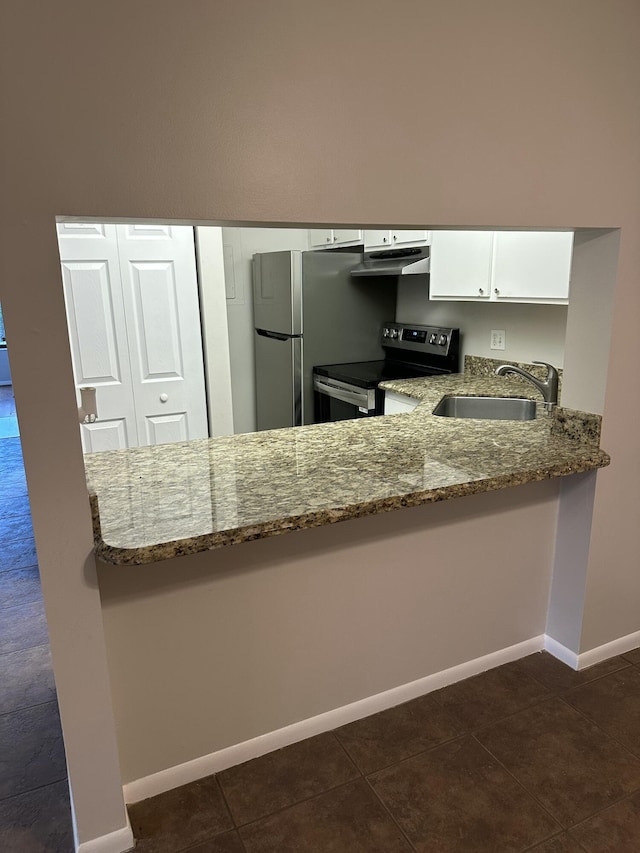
x=346, y=236
x=461, y=264
x=377, y=239
x=406, y=237
x=396, y=404
x=532, y=266
x=320, y=237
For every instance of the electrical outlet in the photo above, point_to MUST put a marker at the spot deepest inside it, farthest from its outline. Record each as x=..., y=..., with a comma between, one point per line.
x=498, y=338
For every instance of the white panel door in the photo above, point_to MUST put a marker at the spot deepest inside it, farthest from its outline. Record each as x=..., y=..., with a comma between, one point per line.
x=97, y=331
x=134, y=324
x=160, y=292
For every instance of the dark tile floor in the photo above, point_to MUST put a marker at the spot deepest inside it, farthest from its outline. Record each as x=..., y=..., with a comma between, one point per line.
x=527, y=757
x=35, y=814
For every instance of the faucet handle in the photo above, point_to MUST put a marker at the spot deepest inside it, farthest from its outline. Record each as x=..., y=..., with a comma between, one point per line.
x=552, y=372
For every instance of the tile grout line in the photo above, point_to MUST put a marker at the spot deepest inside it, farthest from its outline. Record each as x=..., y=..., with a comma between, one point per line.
x=17, y=568
x=228, y=807
x=332, y=732
x=529, y=793
x=607, y=734
x=601, y=811
x=36, y=788
x=28, y=707
x=535, y=847
x=388, y=813
x=296, y=803
x=38, y=646
x=587, y=817
x=198, y=844
x=24, y=604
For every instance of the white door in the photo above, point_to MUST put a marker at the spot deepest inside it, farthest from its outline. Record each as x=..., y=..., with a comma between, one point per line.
x=149, y=305
x=98, y=332
x=160, y=290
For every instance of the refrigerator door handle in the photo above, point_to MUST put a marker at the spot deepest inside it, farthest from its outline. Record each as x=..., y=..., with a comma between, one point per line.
x=276, y=336
x=297, y=382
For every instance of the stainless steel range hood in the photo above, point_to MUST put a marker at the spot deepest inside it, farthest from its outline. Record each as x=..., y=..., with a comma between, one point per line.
x=414, y=261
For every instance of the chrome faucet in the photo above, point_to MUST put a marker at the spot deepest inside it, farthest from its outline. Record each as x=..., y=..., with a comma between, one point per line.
x=547, y=387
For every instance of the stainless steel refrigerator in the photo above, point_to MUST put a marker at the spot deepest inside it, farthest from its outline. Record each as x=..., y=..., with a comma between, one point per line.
x=308, y=310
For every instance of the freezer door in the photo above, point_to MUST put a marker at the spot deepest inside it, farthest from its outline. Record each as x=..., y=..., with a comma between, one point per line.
x=277, y=292
x=278, y=380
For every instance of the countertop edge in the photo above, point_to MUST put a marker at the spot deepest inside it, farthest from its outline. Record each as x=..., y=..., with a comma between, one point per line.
x=144, y=555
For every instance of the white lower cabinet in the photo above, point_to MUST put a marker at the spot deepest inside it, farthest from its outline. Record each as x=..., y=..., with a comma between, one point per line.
x=501, y=266
x=395, y=404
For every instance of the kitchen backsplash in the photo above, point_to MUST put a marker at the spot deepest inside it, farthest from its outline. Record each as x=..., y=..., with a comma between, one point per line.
x=532, y=332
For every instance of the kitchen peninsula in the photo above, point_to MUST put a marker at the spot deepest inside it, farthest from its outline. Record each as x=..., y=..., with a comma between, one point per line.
x=154, y=503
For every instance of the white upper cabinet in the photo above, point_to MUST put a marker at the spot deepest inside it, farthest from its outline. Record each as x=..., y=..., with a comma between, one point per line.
x=324, y=238
x=389, y=237
x=320, y=237
x=532, y=265
x=410, y=237
x=504, y=266
x=377, y=239
x=384, y=238
x=461, y=264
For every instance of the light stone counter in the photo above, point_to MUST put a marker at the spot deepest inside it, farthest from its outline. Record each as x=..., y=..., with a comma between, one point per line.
x=153, y=503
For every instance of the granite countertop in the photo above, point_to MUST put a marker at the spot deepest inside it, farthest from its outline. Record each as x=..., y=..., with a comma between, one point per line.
x=153, y=503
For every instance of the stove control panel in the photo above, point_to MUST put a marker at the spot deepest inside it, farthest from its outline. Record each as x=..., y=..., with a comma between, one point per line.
x=426, y=339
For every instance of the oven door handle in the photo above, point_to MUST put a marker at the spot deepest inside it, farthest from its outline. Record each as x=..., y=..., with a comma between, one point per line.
x=361, y=398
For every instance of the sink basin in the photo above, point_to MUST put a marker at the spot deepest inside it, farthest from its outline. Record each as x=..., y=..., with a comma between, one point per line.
x=487, y=408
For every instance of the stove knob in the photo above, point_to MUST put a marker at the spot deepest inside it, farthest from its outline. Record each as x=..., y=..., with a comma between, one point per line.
x=433, y=338
x=394, y=333
x=442, y=340
x=385, y=333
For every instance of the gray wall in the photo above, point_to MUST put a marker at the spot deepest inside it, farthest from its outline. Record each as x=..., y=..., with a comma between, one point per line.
x=532, y=331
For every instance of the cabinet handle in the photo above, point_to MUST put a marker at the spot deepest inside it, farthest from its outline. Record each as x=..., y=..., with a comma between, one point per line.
x=164, y=398
x=496, y=291
x=480, y=290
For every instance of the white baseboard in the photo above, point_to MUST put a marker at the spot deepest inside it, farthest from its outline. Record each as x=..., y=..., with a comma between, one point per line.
x=609, y=650
x=561, y=652
x=198, y=768
x=593, y=656
x=114, y=842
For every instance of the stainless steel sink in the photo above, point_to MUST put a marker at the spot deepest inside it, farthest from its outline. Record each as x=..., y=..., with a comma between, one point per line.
x=487, y=408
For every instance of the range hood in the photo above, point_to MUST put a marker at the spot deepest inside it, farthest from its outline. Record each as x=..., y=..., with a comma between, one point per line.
x=413, y=261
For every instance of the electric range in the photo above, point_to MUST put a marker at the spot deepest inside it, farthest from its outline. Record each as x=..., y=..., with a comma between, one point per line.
x=343, y=391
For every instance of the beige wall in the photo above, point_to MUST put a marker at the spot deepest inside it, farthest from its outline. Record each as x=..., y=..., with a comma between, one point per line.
x=500, y=113
x=215, y=649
